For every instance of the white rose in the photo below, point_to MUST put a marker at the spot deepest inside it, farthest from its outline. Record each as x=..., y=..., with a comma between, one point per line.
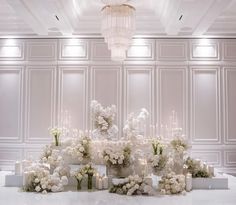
x=36, y=180
x=44, y=192
x=37, y=188
x=54, y=188
x=64, y=180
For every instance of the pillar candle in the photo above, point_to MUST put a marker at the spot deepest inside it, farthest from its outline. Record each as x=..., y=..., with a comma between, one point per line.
x=188, y=182
x=211, y=170
x=205, y=167
x=97, y=178
x=100, y=183
x=105, y=182
x=17, y=168
x=25, y=178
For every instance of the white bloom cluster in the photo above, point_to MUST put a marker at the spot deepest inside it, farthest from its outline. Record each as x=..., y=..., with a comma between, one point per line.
x=117, y=157
x=134, y=125
x=40, y=180
x=55, y=131
x=79, y=148
x=52, y=156
x=103, y=119
x=132, y=185
x=179, y=144
x=172, y=184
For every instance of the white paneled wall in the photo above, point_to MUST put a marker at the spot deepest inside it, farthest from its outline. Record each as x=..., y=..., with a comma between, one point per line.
x=194, y=77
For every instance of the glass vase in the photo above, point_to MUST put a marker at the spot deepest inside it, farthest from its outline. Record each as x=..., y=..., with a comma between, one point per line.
x=56, y=137
x=79, y=184
x=90, y=181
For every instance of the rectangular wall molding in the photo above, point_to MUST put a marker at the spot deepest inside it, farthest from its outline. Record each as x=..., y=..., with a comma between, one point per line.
x=40, y=79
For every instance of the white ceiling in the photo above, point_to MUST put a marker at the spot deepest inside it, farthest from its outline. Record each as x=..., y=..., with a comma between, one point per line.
x=153, y=17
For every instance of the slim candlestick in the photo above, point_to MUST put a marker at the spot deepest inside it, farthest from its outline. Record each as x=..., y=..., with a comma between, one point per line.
x=17, y=168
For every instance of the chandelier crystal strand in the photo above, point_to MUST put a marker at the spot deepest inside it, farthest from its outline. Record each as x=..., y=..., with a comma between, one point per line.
x=114, y=2
x=118, y=26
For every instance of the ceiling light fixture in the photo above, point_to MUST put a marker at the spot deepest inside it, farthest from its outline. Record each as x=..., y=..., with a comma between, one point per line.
x=118, y=26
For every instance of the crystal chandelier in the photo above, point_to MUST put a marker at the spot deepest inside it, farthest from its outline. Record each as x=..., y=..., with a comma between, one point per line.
x=118, y=26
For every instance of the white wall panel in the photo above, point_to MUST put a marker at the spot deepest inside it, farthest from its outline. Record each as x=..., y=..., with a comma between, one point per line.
x=230, y=158
x=11, y=104
x=42, y=50
x=40, y=103
x=229, y=104
x=169, y=50
x=106, y=87
x=141, y=49
x=139, y=90
x=205, y=125
x=74, y=94
x=172, y=95
x=99, y=51
x=11, y=49
x=229, y=50
x=73, y=49
x=204, y=49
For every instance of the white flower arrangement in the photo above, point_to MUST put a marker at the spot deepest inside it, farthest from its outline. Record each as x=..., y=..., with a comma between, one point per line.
x=51, y=156
x=158, y=159
x=132, y=185
x=172, y=184
x=103, y=119
x=79, y=148
x=179, y=145
x=134, y=125
x=55, y=132
x=40, y=180
x=119, y=157
x=195, y=168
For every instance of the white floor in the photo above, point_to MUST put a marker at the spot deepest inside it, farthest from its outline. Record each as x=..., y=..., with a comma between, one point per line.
x=13, y=196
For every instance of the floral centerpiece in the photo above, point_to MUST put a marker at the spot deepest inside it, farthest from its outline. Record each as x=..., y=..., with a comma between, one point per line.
x=52, y=157
x=79, y=149
x=172, y=184
x=158, y=159
x=79, y=175
x=132, y=185
x=38, y=179
x=117, y=159
x=135, y=125
x=103, y=119
x=55, y=132
x=195, y=168
x=179, y=147
x=89, y=170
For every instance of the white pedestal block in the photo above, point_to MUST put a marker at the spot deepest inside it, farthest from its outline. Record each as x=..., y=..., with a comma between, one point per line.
x=217, y=182
x=13, y=180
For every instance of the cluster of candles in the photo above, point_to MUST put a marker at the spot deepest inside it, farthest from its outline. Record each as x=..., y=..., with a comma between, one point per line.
x=101, y=182
x=21, y=165
x=169, y=130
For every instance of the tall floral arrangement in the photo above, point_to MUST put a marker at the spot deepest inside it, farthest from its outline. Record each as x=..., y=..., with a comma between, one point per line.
x=56, y=132
x=179, y=147
x=158, y=158
x=135, y=125
x=103, y=119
